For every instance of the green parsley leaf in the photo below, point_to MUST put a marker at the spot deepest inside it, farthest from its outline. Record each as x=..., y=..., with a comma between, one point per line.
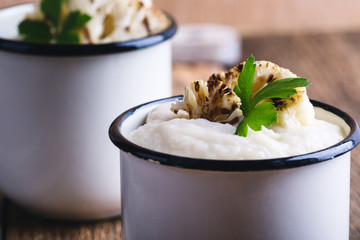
x=258, y=114
x=75, y=20
x=55, y=28
x=52, y=10
x=245, y=83
x=282, y=88
x=68, y=38
x=262, y=115
x=35, y=31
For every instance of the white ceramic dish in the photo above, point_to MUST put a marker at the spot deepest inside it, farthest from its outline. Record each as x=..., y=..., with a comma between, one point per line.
x=172, y=197
x=57, y=102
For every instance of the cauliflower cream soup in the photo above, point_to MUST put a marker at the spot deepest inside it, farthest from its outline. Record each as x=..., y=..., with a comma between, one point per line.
x=182, y=128
x=200, y=138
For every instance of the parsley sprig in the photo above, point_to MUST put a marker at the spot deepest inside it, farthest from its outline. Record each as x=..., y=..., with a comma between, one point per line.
x=258, y=114
x=61, y=30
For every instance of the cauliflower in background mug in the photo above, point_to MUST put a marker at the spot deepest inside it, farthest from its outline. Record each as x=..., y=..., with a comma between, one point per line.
x=92, y=21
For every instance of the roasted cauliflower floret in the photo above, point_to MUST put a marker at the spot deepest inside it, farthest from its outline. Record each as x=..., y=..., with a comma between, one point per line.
x=212, y=100
x=120, y=20
x=229, y=78
x=113, y=20
x=296, y=110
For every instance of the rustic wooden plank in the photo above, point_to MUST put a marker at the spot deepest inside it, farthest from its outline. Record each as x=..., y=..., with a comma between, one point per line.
x=25, y=226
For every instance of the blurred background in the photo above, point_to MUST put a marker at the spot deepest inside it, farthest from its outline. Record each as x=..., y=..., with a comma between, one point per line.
x=262, y=16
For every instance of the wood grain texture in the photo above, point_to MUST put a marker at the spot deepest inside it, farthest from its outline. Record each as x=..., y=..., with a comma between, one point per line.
x=329, y=61
x=22, y=225
x=259, y=16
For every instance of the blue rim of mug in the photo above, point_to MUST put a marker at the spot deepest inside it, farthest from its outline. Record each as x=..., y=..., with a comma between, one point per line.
x=18, y=46
x=344, y=146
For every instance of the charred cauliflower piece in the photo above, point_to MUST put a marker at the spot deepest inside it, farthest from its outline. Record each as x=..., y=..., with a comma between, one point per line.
x=212, y=100
x=296, y=110
x=120, y=20
x=229, y=78
x=113, y=20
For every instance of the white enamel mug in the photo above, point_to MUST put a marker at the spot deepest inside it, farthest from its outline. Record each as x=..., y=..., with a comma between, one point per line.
x=56, y=103
x=172, y=197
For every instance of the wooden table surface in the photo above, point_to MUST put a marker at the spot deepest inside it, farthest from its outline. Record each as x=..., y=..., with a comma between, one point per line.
x=330, y=61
